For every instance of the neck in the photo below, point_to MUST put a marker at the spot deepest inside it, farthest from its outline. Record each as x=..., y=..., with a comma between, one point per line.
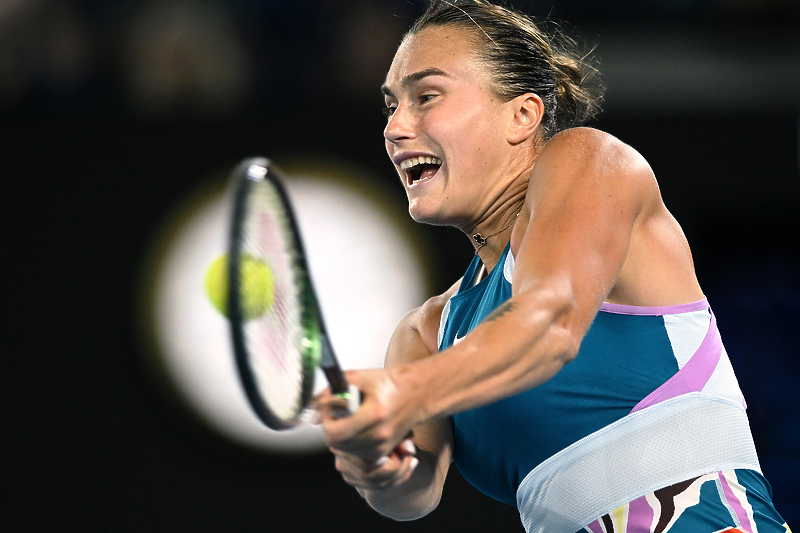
x=490, y=245
x=491, y=232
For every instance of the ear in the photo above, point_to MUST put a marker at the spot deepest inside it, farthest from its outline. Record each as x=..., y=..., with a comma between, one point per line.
x=528, y=110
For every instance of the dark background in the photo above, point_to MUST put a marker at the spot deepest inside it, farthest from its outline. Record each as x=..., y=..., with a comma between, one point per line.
x=109, y=113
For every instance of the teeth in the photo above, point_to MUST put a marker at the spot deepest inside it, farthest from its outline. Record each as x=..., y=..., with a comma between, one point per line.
x=414, y=161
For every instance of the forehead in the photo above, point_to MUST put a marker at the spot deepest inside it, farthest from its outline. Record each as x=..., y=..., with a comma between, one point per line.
x=450, y=49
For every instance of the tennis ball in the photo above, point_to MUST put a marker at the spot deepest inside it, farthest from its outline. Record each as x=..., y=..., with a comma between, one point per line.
x=258, y=285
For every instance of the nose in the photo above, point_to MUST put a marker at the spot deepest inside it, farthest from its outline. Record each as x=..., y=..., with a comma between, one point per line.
x=400, y=126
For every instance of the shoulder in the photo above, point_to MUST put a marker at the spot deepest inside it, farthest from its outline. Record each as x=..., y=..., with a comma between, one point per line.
x=426, y=318
x=420, y=327
x=601, y=151
x=591, y=161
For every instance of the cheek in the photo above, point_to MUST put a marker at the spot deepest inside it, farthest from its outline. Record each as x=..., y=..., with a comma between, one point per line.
x=450, y=131
x=469, y=123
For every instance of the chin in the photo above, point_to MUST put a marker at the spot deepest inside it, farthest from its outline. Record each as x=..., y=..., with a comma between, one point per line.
x=426, y=216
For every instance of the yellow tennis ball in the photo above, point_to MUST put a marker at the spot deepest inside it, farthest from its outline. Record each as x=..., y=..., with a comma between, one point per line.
x=258, y=285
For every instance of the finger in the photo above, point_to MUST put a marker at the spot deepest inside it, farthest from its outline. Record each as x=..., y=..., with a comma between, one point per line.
x=359, y=462
x=395, y=470
x=366, y=461
x=397, y=476
x=359, y=475
x=404, y=473
x=406, y=447
x=330, y=406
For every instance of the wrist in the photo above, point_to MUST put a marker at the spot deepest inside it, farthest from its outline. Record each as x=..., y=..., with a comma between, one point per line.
x=411, y=381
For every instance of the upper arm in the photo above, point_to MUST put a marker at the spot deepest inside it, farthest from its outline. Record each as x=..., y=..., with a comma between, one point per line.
x=585, y=194
x=415, y=338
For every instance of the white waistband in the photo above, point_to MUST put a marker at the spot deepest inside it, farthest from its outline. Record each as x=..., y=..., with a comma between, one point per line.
x=676, y=440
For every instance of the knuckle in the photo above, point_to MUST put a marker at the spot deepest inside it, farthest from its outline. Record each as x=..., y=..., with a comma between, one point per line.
x=338, y=464
x=382, y=433
x=377, y=412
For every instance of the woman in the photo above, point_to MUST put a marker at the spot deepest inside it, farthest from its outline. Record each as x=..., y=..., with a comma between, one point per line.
x=575, y=370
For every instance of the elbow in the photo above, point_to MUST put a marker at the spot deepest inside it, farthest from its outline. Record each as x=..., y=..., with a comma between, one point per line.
x=402, y=513
x=407, y=515
x=569, y=348
x=563, y=342
x=562, y=316
x=567, y=335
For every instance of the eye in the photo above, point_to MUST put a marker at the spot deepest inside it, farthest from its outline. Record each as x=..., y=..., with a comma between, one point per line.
x=388, y=111
x=425, y=98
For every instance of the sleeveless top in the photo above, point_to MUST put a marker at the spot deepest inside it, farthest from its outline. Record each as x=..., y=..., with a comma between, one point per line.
x=636, y=368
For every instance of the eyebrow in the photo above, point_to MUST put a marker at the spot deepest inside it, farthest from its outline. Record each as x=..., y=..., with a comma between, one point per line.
x=415, y=77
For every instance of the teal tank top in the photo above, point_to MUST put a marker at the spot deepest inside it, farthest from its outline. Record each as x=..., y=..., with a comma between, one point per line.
x=498, y=444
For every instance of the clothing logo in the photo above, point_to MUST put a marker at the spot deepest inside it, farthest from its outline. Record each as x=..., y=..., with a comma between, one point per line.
x=458, y=339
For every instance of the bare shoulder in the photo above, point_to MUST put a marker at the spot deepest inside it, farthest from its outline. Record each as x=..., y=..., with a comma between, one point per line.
x=585, y=145
x=416, y=336
x=593, y=161
x=426, y=318
x=610, y=187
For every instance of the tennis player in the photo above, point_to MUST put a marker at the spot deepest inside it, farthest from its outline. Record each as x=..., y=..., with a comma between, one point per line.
x=576, y=370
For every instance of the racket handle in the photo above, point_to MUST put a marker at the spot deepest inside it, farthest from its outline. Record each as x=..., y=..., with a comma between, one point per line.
x=353, y=399
x=338, y=382
x=330, y=366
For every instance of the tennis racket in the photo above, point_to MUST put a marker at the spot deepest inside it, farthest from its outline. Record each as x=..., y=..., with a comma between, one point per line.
x=278, y=351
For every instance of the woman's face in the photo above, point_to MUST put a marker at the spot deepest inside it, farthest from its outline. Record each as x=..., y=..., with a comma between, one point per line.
x=446, y=132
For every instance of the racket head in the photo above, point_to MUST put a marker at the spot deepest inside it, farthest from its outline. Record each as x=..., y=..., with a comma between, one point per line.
x=277, y=351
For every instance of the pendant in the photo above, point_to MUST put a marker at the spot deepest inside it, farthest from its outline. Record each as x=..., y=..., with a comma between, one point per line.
x=479, y=239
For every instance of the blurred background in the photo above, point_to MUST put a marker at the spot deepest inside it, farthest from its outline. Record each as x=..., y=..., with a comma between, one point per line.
x=119, y=123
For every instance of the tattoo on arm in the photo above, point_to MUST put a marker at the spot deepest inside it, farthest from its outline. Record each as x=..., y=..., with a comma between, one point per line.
x=504, y=309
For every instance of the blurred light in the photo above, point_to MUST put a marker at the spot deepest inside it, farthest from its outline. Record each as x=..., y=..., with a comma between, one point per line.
x=186, y=54
x=9, y=6
x=365, y=269
x=674, y=68
x=364, y=44
x=46, y=49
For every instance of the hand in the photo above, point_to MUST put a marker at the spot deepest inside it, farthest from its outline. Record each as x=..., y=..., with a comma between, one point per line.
x=389, y=471
x=373, y=447
x=375, y=430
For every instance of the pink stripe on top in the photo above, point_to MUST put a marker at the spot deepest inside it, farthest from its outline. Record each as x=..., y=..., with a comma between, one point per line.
x=654, y=311
x=694, y=375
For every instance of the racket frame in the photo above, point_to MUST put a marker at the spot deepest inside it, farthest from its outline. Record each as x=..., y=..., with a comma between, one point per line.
x=247, y=175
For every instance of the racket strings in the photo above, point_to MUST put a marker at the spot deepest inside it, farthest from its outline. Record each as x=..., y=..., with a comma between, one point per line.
x=276, y=338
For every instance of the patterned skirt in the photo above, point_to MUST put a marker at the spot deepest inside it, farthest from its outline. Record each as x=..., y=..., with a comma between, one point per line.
x=728, y=501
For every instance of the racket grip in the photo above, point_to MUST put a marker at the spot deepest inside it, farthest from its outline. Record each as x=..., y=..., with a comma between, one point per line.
x=353, y=399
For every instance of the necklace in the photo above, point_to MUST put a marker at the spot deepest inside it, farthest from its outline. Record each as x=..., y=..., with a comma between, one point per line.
x=480, y=240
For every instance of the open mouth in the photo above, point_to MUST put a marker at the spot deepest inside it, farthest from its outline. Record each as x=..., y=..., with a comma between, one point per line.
x=420, y=168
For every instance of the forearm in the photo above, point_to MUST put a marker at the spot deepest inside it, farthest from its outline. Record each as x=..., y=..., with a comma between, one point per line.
x=522, y=344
